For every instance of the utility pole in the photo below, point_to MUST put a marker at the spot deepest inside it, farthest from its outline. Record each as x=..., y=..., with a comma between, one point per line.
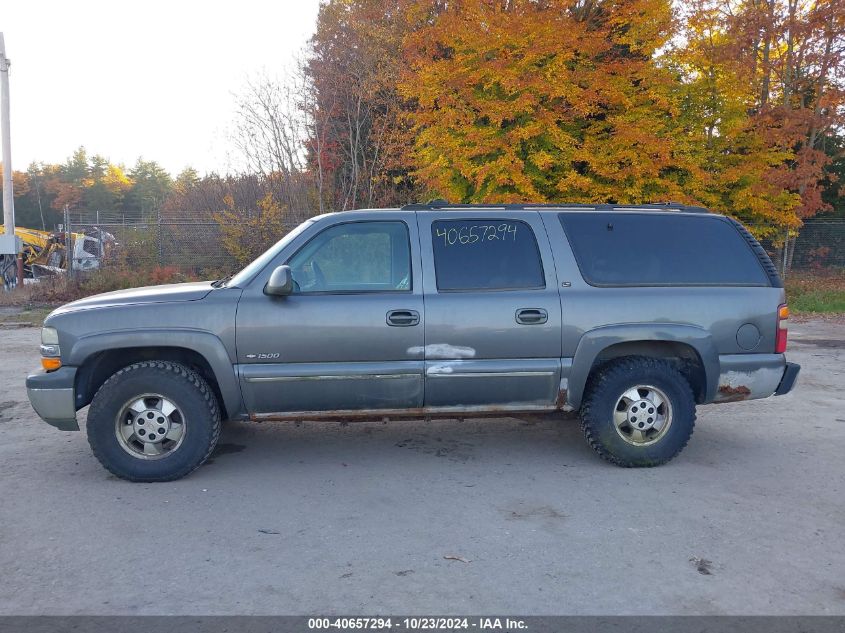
x=9, y=244
x=68, y=243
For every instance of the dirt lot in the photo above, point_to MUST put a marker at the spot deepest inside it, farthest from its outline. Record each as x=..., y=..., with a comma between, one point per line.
x=322, y=518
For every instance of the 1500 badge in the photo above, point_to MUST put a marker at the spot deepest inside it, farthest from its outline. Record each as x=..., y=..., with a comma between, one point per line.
x=264, y=356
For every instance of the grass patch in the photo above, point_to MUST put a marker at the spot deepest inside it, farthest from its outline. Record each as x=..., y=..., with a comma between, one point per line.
x=816, y=292
x=822, y=301
x=34, y=315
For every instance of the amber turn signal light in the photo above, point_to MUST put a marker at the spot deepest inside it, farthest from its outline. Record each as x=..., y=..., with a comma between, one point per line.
x=51, y=364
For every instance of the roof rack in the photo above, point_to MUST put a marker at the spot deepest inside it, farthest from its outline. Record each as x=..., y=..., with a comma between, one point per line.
x=563, y=206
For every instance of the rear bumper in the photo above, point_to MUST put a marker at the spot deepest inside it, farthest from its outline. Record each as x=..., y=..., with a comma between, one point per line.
x=753, y=376
x=790, y=376
x=51, y=394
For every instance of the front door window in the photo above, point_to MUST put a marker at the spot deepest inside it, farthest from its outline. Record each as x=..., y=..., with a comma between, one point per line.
x=355, y=257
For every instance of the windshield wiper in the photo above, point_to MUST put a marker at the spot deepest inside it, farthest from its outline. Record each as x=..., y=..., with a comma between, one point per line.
x=221, y=282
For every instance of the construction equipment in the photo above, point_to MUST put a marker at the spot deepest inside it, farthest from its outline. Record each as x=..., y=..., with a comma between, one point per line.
x=44, y=253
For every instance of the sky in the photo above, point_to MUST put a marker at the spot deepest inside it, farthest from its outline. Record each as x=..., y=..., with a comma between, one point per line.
x=151, y=78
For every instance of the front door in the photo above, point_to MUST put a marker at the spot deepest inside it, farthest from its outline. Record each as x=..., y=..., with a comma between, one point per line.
x=493, y=315
x=345, y=339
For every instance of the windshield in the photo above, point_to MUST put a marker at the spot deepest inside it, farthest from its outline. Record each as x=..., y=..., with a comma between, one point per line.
x=266, y=257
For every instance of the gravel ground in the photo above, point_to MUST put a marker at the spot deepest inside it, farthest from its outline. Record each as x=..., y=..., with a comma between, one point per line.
x=495, y=516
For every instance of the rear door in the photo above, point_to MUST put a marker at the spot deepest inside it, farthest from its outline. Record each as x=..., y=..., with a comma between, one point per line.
x=492, y=311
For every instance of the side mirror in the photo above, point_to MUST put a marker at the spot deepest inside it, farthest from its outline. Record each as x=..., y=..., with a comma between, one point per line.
x=281, y=282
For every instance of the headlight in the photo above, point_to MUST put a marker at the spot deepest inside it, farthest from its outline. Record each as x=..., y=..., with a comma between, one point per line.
x=50, y=352
x=49, y=336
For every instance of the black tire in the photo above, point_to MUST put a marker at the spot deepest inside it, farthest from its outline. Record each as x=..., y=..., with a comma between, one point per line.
x=185, y=388
x=604, y=389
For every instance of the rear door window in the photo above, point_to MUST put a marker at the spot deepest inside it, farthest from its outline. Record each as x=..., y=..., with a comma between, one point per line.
x=634, y=249
x=475, y=254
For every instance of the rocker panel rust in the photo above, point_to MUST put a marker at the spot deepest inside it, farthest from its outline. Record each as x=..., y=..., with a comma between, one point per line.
x=403, y=414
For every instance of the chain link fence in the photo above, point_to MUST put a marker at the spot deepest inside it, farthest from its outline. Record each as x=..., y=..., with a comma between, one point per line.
x=819, y=246
x=194, y=245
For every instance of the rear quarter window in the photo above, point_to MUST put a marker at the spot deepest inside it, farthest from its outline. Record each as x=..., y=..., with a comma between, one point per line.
x=650, y=249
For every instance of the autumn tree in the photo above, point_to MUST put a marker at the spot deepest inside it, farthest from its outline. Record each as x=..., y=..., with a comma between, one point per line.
x=766, y=79
x=271, y=133
x=21, y=188
x=726, y=103
x=20, y=181
x=834, y=193
x=62, y=187
x=736, y=160
x=201, y=198
x=249, y=232
x=545, y=101
x=359, y=137
x=106, y=186
x=88, y=183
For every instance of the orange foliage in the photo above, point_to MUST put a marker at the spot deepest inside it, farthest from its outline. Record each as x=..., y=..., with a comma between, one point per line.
x=545, y=101
x=617, y=101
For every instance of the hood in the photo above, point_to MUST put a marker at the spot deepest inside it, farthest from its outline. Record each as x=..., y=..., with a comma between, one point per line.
x=192, y=291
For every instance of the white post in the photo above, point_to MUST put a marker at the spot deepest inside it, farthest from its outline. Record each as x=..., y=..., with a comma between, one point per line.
x=5, y=135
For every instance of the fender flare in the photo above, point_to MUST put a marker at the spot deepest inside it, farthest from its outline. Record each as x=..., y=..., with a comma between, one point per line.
x=594, y=342
x=206, y=344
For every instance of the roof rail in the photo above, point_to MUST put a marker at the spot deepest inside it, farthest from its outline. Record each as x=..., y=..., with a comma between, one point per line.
x=653, y=206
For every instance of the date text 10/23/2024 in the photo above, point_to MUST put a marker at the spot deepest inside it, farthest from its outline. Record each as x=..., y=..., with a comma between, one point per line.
x=420, y=623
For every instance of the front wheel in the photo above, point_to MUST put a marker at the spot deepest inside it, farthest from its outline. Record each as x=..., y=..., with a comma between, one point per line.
x=153, y=421
x=638, y=412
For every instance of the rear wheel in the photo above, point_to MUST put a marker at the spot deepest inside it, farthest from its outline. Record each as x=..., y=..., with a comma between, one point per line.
x=638, y=412
x=153, y=421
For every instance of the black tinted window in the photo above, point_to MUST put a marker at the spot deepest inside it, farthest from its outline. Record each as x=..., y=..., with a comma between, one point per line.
x=656, y=250
x=485, y=255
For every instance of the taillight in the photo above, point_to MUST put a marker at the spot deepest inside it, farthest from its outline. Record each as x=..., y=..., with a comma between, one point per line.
x=780, y=335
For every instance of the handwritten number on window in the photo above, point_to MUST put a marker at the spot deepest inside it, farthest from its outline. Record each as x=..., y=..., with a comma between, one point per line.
x=477, y=234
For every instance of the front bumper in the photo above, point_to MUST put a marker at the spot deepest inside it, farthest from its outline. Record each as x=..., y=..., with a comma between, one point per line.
x=52, y=396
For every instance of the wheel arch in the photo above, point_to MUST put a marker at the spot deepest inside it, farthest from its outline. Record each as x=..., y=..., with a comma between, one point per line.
x=689, y=346
x=100, y=356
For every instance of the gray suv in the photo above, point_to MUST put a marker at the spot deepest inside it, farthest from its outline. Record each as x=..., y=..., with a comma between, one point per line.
x=630, y=315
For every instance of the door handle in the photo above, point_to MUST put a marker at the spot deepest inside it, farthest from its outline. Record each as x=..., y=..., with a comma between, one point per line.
x=403, y=318
x=531, y=316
